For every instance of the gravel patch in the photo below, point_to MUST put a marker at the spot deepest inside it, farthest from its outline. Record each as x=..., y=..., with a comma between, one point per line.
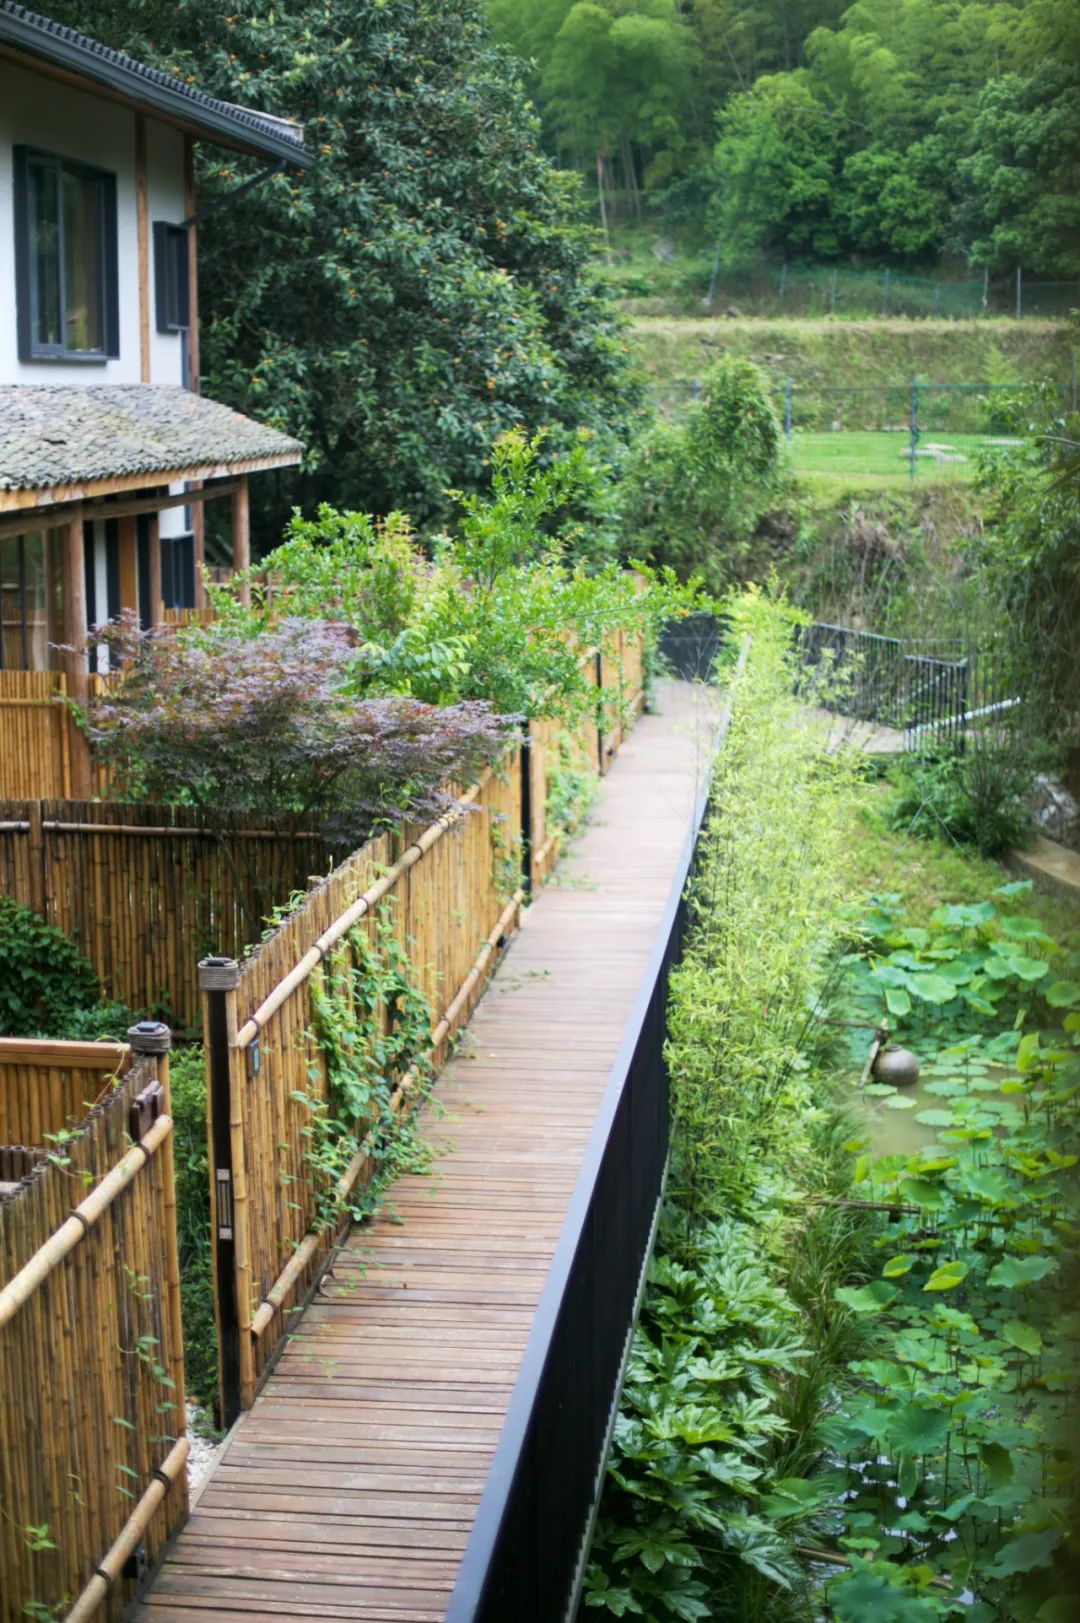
x=204, y=1451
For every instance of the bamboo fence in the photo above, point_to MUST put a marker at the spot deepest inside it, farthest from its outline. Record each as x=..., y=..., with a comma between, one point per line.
x=35, y=734
x=92, y=1446
x=46, y=1087
x=452, y=892
x=146, y=890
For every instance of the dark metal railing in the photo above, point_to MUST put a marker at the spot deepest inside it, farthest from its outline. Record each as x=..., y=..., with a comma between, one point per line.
x=529, y=1541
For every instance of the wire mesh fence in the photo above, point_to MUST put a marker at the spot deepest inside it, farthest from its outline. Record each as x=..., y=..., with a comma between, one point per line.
x=822, y=290
x=911, y=431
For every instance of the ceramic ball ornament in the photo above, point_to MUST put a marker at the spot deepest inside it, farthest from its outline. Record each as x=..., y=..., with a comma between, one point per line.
x=897, y=1066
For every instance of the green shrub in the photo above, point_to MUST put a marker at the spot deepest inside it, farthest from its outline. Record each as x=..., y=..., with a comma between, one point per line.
x=44, y=978
x=977, y=796
x=695, y=492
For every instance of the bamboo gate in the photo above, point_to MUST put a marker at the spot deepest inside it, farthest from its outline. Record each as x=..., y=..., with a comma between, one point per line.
x=92, y=1446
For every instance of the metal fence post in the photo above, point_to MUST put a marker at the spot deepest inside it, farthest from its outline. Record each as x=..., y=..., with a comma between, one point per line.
x=832, y=292
x=783, y=278
x=1019, y=295
x=986, y=289
x=937, y=299
x=787, y=407
x=914, y=422
x=218, y=980
x=525, y=754
x=885, y=294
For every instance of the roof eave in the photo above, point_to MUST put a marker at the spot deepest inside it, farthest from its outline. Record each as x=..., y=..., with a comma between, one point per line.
x=120, y=81
x=46, y=497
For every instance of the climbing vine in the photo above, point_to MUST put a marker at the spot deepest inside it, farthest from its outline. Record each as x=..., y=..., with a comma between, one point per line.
x=371, y=1024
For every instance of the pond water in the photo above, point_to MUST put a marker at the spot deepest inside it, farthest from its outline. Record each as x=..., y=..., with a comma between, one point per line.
x=908, y=1121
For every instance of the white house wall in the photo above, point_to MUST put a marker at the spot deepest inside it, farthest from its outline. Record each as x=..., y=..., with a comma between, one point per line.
x=42, y=112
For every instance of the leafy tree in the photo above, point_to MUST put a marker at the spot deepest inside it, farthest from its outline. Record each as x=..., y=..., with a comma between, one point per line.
x=240, y=719
x=1023, y=175
x=425, y=286
x=776, y=166
x=695, y=491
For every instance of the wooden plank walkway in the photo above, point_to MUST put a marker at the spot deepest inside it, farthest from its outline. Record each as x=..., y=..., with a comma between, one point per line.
x=348, y=1491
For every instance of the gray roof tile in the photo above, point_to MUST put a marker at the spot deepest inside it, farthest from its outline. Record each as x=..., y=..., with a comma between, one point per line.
x=53, y=434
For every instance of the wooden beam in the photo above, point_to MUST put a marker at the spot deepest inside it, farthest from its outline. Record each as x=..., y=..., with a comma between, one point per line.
x=142, y=223
x=192, y=379
x=198, y=517
x=21, y=501
x=241, y=535
x=133, y=507
x=155, y=609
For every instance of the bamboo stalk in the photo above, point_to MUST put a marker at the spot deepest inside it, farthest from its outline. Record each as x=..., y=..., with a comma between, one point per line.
x=42, y=1051
x=18, y=1290
x=112, y=1563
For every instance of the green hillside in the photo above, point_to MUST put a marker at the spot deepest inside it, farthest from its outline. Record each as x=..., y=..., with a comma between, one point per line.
x=826, y=353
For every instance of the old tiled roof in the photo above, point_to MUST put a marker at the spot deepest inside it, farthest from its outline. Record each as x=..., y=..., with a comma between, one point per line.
x=58, y=434
x=149, y=87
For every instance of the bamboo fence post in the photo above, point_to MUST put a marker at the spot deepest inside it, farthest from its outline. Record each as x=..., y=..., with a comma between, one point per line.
x=153, y=1038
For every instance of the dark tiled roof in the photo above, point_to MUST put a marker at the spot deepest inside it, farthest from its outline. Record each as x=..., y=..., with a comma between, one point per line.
x=54, y=434
x=236, y=126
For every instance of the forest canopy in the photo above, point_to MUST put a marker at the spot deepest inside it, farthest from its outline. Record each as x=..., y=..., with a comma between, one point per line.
x=904, y=131
x=426, y=287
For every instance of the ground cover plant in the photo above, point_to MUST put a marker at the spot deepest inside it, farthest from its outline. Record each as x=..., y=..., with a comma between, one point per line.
x=849, y=1395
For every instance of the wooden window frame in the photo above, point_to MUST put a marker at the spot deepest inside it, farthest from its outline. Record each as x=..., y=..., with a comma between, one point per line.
x=172, y=293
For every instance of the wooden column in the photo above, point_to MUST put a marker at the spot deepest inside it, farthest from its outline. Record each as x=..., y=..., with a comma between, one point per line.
x=241, y=533
x=129, y=563
x=142, y=220
x=198, y=518
x=155, y=607
x=76, y=665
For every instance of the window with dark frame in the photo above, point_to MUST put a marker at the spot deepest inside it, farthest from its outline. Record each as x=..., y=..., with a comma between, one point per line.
x=65, y=259
x=172, y=297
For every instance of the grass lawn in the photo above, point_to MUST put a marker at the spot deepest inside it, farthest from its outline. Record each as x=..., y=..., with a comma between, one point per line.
x=926, y=873
x=882, y=458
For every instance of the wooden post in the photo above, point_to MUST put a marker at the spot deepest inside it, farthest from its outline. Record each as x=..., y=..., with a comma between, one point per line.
x=127, y=550
x=76, y=663
x=142, y=223
x=198, y=517
x=155, y=608
x=241, y=534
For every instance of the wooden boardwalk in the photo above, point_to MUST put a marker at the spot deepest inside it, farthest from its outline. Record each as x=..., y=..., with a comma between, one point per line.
x=348, y=1491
